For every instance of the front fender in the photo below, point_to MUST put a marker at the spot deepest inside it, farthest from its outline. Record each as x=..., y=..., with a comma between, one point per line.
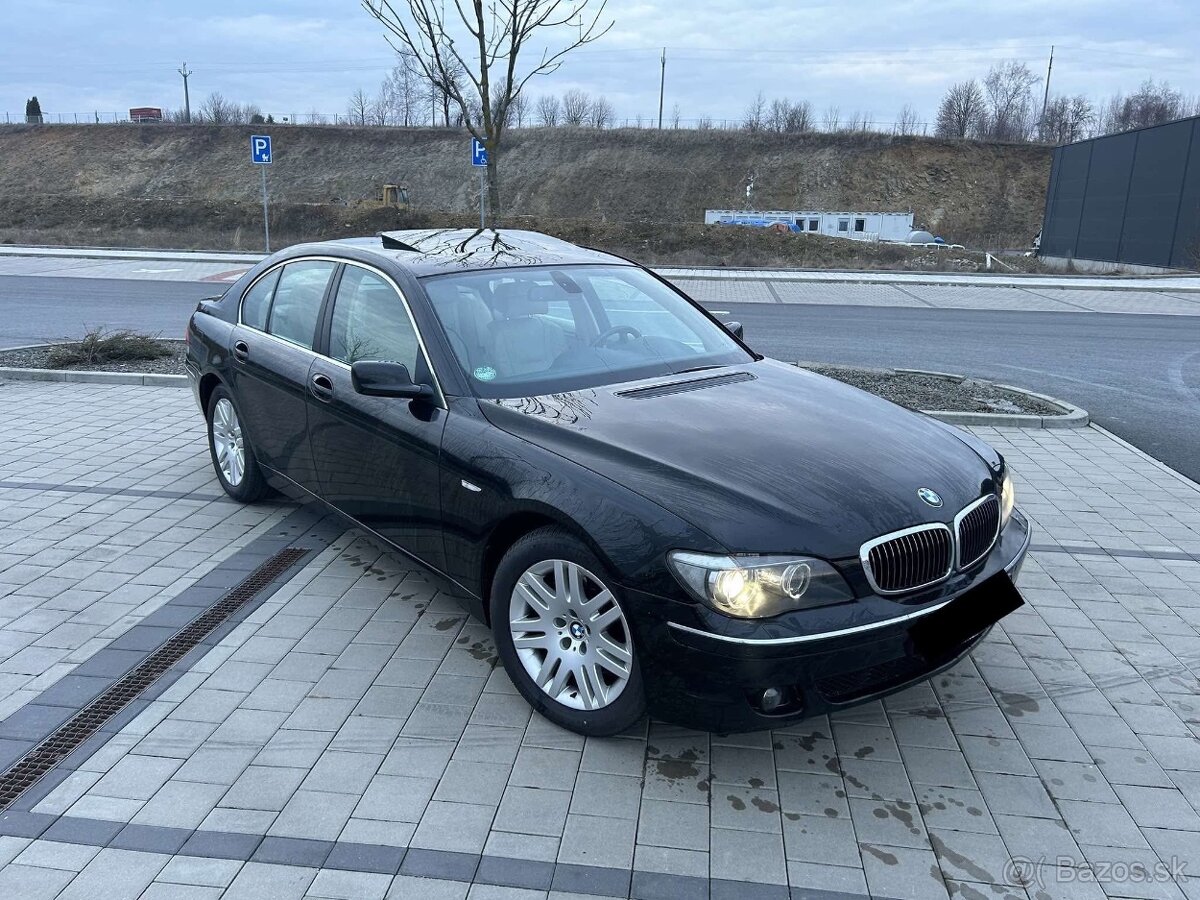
x=517, y=479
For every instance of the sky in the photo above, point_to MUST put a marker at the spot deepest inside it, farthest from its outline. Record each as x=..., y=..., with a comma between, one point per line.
x=871, y=56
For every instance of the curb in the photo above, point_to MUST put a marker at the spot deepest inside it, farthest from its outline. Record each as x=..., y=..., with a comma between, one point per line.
x=131, y=253
x=1071, y=417
x=148, y=379
x=1157, y=463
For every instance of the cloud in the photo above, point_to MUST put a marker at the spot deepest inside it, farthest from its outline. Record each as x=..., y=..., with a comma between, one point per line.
x=296, y=55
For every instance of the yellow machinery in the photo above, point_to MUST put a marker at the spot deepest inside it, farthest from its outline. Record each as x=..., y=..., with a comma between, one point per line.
x=395, y=195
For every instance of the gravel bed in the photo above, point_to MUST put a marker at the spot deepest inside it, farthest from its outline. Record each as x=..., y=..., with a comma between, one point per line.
x=935, y=392
x=35, y=358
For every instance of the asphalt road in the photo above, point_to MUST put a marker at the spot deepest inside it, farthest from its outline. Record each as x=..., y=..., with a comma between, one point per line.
x=1138, y=375
x=36, y=310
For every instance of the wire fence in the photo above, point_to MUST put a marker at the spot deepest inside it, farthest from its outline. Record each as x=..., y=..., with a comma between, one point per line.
x=342, y=120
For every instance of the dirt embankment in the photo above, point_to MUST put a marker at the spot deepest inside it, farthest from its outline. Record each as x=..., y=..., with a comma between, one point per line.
x=192, y=184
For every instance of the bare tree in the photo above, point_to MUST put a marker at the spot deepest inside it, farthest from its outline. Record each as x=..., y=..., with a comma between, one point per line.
x=402, y=95
x=962, y=111
x=858, y=123
x=492, y=38
x=908, y=121
x=704, y=123
x=519, y=110
x=755, y=117
x=216, y=110
x=675, y=116
x=1009, y=91
x=548, y=111
x=1153, y=104
x=576, y=106
x=800, y=119
x=1066, y=119
x=601, y=114
x=358, y=107
x=777, y=113
x=831, y=119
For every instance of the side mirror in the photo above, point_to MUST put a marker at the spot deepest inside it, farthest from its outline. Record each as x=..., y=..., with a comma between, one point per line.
x=387, y=379
x=735, y=328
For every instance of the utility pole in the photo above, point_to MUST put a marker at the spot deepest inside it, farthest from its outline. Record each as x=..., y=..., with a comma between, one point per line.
x=187, y=103
x=662, y=83
x=1046, y=95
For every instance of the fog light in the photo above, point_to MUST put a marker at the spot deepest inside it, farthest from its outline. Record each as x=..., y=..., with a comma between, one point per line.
x=772, y=699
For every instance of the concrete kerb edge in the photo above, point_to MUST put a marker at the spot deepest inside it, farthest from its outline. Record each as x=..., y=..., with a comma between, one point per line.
x=1179, y=476
x=147, y=379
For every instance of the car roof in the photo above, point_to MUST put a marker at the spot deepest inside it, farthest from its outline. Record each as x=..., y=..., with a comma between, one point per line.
x=439, y=251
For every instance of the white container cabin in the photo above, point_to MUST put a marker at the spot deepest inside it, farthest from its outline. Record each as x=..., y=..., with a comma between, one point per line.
x=858, y=226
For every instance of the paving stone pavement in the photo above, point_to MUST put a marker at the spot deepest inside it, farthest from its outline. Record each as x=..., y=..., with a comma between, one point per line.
x=351, y=737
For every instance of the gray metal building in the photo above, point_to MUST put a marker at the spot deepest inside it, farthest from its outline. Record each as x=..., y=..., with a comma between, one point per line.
x=1130, y=198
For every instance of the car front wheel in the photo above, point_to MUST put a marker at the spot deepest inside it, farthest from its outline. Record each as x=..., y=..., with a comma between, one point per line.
x=232, y=456
x=563, y=637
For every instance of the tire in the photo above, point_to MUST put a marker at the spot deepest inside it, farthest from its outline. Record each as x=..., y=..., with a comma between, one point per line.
x=587, y=675
x=232, y=455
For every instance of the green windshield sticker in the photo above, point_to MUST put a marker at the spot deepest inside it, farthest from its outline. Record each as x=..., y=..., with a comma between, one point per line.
x=485, y=373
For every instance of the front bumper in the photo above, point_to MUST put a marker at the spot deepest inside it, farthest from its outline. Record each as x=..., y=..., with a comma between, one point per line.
x=707, y=671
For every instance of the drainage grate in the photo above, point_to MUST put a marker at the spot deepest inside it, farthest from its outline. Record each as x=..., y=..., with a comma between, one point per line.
x=32, y=767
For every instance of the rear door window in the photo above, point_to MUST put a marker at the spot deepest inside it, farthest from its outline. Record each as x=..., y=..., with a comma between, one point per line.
x=256, y=302
x=297, y=303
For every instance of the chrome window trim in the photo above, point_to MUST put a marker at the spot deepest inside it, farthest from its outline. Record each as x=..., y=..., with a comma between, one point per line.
x=437, y=384
x=865, y=550
x=963, y=513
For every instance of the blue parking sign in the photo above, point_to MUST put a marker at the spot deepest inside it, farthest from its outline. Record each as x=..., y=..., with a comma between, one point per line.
x=260, y=149
x=478, y=153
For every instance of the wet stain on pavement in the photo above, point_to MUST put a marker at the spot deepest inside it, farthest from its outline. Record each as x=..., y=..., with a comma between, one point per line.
x=888, y=859
x=1017, y=705
x=971, y=870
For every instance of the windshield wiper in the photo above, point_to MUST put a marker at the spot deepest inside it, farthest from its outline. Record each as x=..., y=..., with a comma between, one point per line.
x=698, y=369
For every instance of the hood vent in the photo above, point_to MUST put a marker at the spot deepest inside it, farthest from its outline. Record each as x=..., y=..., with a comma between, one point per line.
x=679, y=387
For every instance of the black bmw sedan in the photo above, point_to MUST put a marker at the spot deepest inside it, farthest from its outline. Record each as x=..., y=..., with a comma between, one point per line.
x=650, y=516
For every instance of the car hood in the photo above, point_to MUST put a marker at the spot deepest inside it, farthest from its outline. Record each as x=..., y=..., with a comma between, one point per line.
x=765, y=457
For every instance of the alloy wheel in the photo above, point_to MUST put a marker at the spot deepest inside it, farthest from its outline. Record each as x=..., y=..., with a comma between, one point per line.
x=228, y=443
x=570, y=634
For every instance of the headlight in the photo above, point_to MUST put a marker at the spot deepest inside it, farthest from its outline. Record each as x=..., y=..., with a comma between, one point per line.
x=1008, y=499
x=755, y=587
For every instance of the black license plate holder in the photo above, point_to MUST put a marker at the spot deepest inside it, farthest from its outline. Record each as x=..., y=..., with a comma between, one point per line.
x=965, y=616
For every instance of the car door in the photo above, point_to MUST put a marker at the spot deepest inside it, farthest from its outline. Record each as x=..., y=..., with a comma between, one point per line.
x=272, y=348
x=377, y=458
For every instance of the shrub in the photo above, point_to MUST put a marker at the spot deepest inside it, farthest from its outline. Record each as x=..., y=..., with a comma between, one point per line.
x=99, y=345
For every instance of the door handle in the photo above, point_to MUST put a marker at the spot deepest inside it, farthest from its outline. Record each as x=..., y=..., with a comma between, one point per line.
x=321, y=386
x=241, y=351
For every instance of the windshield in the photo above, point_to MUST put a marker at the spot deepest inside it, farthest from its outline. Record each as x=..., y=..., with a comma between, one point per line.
x=520, y=332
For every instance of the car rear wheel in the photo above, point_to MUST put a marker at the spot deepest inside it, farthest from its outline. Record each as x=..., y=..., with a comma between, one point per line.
x=562, y=634
x=232, y=456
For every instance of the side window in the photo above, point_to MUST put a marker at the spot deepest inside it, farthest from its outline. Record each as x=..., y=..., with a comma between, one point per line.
x=256, y=302
x=297, y=303
x=370, y=322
